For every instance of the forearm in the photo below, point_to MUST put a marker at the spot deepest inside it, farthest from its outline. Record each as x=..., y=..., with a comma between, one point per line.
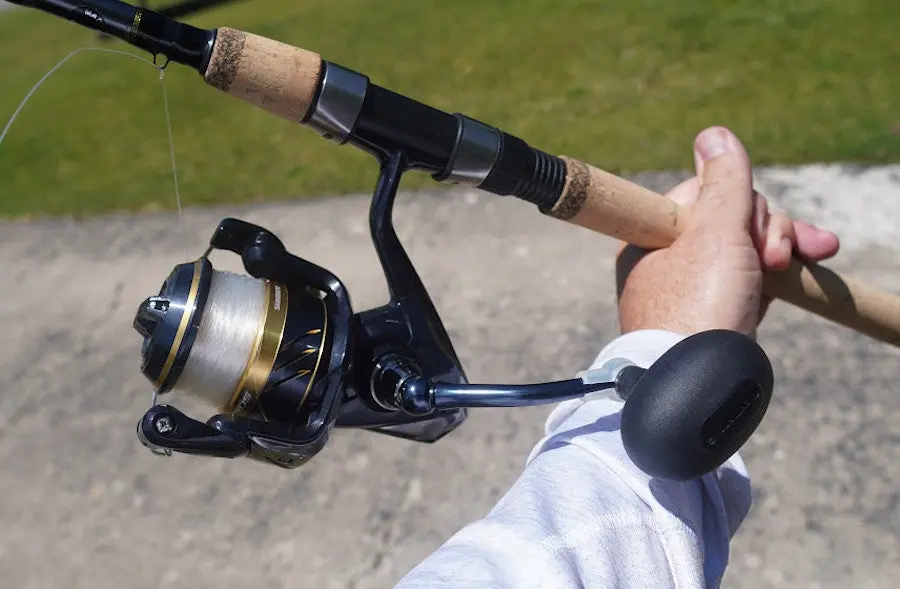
x=583, y=514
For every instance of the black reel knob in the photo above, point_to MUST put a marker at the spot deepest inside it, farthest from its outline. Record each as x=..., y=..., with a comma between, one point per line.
x=697, y=405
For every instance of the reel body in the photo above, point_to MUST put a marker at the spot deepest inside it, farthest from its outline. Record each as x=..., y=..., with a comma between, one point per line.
x=305, y=364
x=285, y=359
x=275, y=380
x=297, y=381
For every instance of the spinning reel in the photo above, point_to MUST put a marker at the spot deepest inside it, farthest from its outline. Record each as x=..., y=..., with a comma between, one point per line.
x=284, y=358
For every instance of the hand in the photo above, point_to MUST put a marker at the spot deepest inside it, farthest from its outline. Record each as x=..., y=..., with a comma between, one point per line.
x=711, y=276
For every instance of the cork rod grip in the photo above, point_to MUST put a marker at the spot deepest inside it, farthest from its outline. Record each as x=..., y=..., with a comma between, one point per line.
x=611, y=205
x=274, y=76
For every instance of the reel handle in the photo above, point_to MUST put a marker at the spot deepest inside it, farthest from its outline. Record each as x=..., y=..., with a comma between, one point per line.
x=682, y=418
x=606, y=203
x=696, y=405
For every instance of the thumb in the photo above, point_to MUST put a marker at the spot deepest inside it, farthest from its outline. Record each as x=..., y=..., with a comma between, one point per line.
x=725, y=200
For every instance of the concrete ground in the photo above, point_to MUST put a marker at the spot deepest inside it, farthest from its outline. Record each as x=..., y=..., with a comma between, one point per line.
x=525, y=297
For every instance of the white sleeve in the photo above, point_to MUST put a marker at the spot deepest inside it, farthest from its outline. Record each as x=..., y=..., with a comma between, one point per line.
x=582, y=515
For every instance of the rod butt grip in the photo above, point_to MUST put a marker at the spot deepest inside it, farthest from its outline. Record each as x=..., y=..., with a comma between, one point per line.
x=608, y=204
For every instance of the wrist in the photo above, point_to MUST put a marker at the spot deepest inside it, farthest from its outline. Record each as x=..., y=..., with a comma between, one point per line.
x=641, y=347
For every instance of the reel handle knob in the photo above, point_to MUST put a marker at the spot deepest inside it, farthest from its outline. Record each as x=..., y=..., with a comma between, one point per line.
x=697, y=405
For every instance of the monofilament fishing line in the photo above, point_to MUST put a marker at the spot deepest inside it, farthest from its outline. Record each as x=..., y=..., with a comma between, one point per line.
x=235, y=310
x=162, y=71
x=208, y=362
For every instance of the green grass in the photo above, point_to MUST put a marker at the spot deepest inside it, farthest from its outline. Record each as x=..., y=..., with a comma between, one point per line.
x=623, y=84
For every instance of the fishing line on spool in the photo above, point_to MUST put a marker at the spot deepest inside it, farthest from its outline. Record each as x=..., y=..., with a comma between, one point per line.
x=162, y=71
x=230, y=326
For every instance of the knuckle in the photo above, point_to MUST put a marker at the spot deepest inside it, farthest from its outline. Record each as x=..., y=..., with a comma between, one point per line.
x=716, y=192
x=779, y=218
x=702, y=243
x=725, y=183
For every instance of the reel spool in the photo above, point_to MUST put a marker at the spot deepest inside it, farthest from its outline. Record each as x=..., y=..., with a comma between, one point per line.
x=250, y=346
x=283, y=358
x=246, y=346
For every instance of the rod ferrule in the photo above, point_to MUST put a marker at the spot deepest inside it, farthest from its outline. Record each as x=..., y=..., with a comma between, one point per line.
x=476, y=151
x=339, y=102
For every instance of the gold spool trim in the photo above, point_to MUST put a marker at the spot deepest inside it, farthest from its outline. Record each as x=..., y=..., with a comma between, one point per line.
x=265, y=347
x=182, y=327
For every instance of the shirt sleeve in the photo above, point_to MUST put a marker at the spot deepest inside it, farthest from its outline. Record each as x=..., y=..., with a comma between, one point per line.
x=581, y=515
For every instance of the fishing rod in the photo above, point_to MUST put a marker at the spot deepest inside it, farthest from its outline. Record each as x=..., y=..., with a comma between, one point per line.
x=344, y=106
x=285, y=358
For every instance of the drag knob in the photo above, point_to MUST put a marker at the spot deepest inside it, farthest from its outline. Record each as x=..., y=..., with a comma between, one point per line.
x=150, y=314
x=697, y=405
